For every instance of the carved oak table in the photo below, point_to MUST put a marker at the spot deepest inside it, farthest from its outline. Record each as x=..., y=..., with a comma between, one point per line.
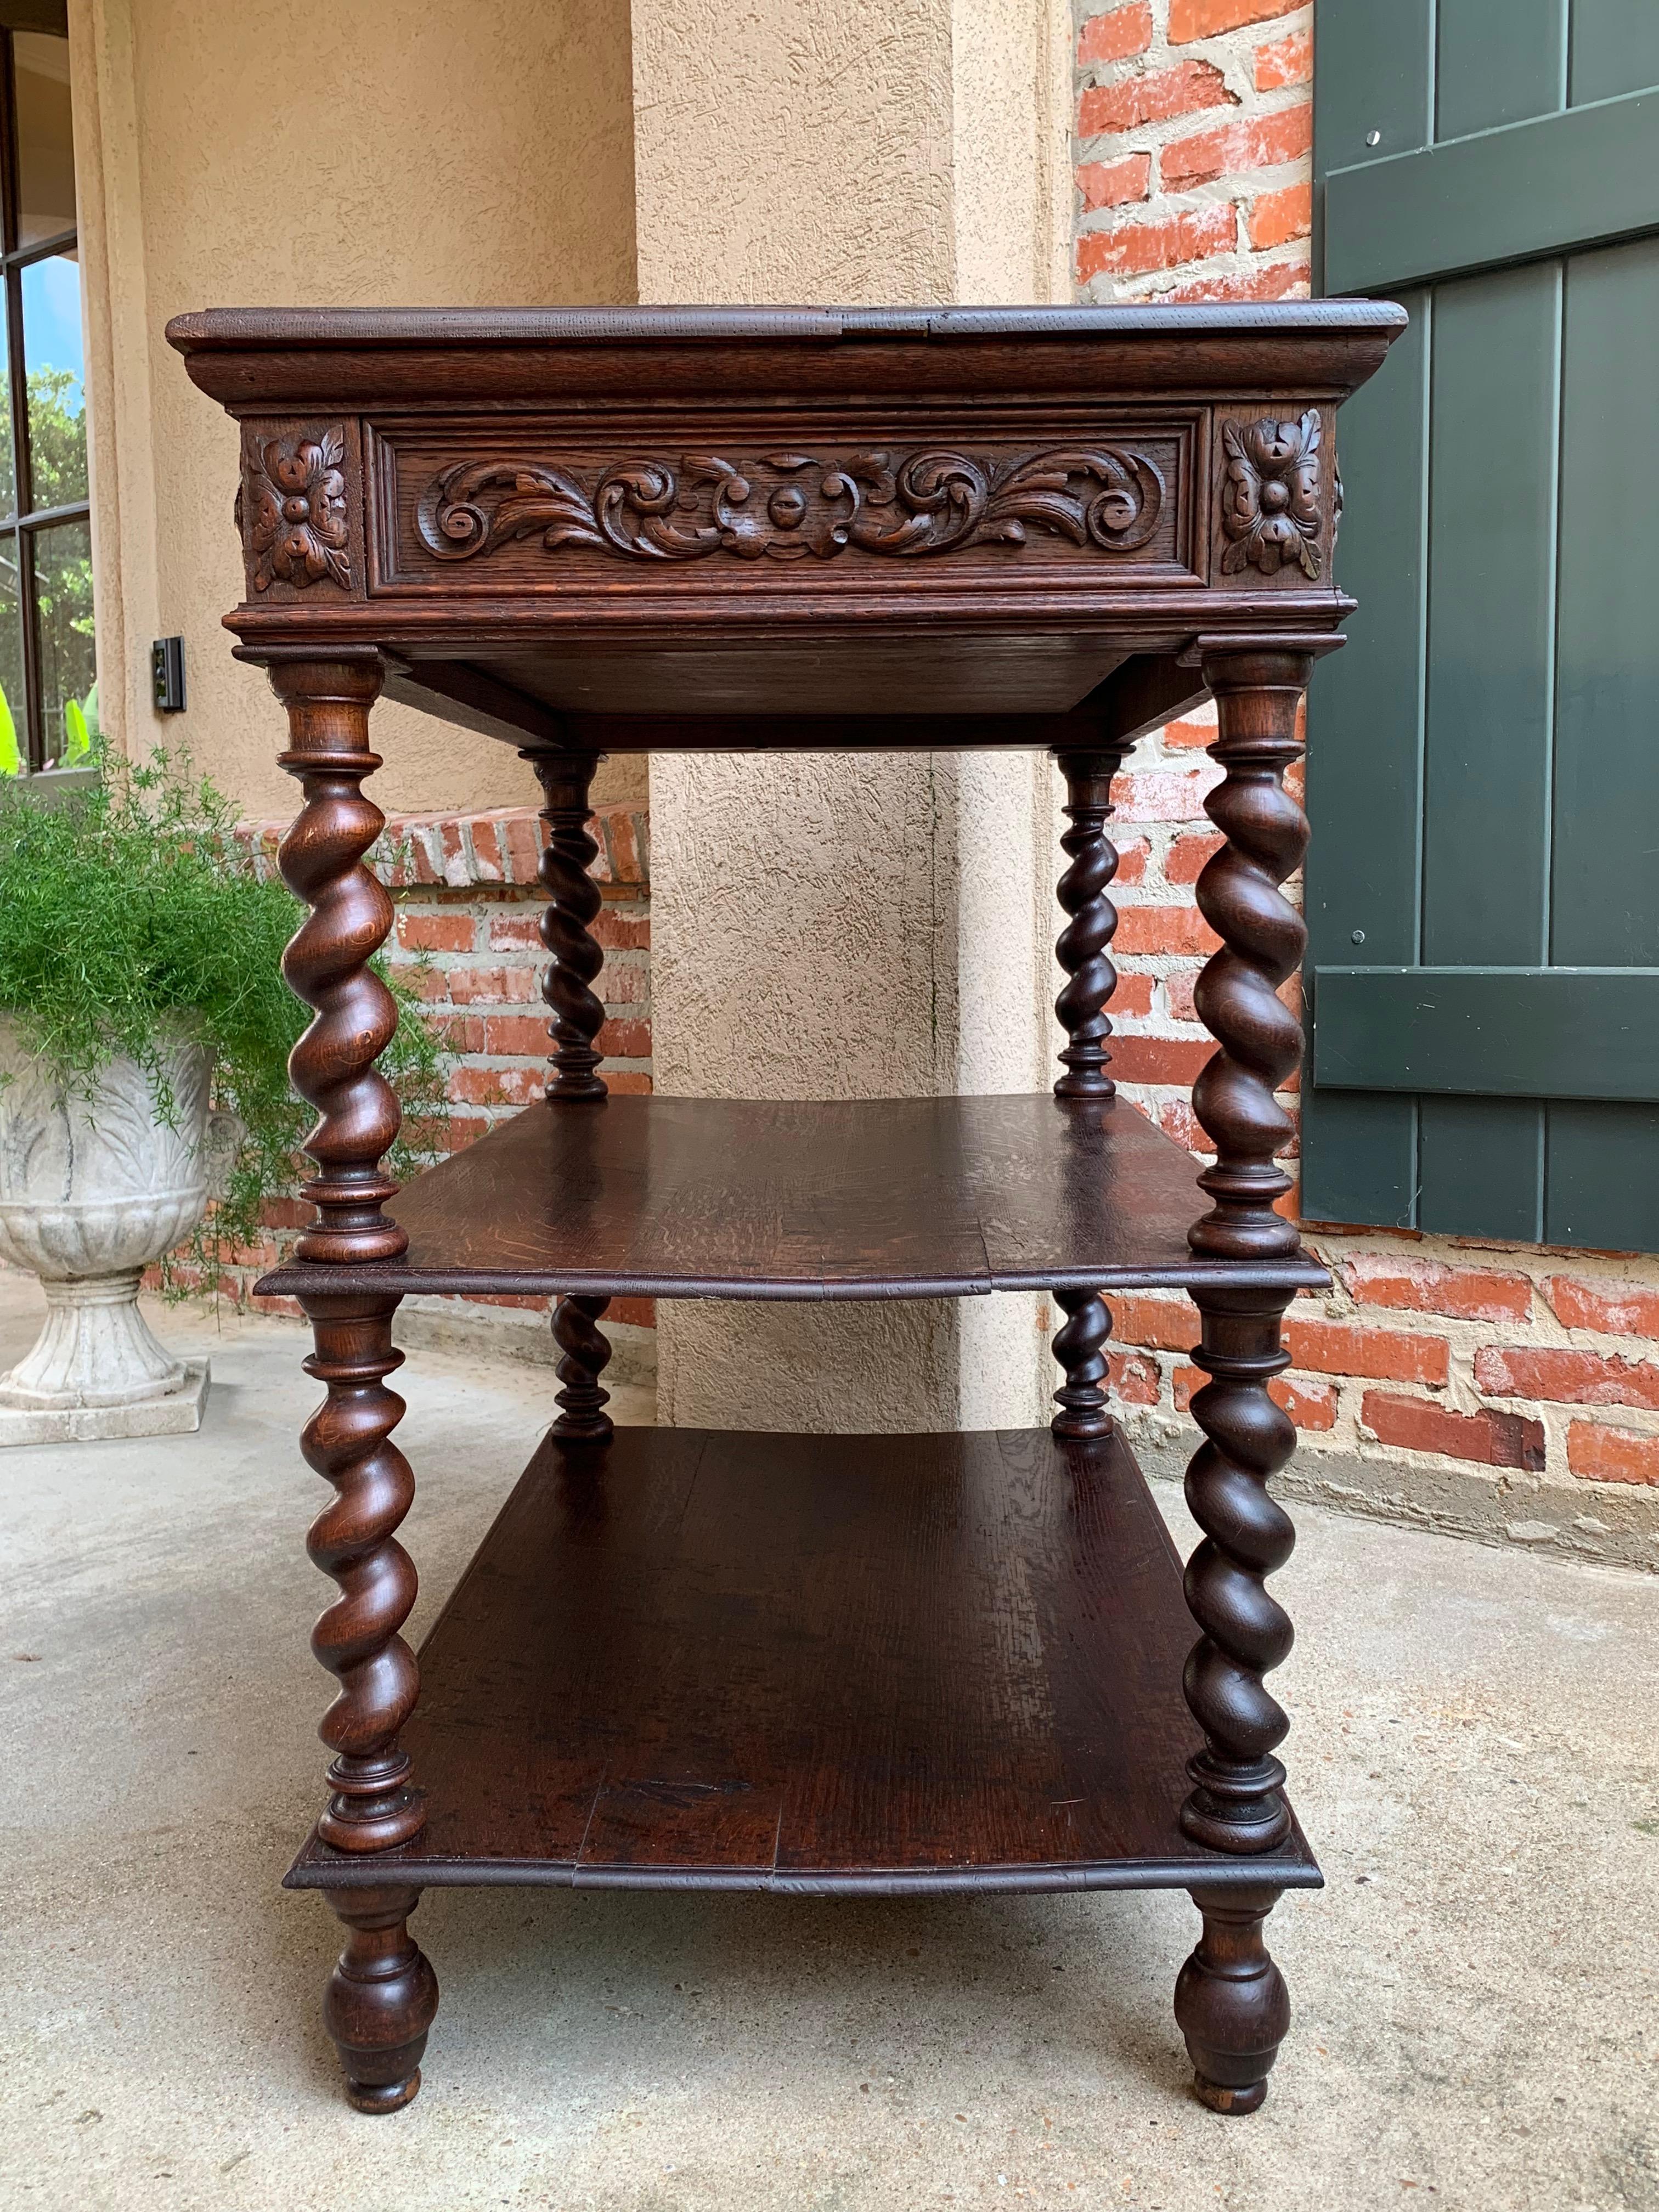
x=826, y=1664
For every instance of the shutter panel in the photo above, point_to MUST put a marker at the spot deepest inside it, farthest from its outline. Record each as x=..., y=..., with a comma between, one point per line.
x=1483, y=885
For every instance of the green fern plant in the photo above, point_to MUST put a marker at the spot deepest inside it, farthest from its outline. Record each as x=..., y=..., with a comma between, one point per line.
x=129, y=904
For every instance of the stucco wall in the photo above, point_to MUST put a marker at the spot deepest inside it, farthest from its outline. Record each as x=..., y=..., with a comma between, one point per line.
x=301, y=153
x=831, y=926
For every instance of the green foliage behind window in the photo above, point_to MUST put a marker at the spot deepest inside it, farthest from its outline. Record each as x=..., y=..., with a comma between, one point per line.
x=58, y=440
x=58, y=463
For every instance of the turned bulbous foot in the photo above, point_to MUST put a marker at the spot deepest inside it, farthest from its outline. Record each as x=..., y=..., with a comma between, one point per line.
x=384, y=2096
x=1231, y=2002
x=1248, y=2098
x=381, y=1998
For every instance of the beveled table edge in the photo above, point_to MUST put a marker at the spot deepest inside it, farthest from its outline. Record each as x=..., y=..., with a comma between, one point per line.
x=308, y=1280
x=318, y=1867
x=214, y=328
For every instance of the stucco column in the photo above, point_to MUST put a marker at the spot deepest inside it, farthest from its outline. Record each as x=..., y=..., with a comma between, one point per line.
x=851, y=925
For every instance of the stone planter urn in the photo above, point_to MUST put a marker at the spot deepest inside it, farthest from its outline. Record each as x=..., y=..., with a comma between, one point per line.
x=94, y=1187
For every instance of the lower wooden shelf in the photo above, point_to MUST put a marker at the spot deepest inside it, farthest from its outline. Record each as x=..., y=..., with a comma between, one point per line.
x=860, y=1198
x=692, y=1659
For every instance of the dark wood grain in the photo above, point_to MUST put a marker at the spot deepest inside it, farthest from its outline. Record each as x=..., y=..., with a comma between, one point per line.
x=327, y=963
x=372, y=1802
x=1080, y=1345
x=1084, y=893
x=1258, y=696
x=584, y=1355
x=288, y=357
x=461, y=693
x=947, y=1662
x=679, y=693
x=802, y=1663
x=642, y=514
x=381, y=1997
x=1237, y=1802
x=781, y=1199
x=1231, y=2002
x=573, y=903
x=514, y=506
x=973, y=673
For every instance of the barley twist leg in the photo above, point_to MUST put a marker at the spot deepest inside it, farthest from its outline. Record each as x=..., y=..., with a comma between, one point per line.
x=326, y=964
x=1079, y=1345
x=585, y=1353
x=373, y=1803
x=573, y=904
x=1081, y=949
x=1257, y=697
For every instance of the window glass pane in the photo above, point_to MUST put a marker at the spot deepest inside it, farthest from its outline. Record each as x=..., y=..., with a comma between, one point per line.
x=14, y=723
x=55, y=362
x=45, y=141
x=63, y=613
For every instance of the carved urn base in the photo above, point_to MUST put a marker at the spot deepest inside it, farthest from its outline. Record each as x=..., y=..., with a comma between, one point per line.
x=177, y=1413
x=97, y=1370
x=96, y=1183
x=96, y=1349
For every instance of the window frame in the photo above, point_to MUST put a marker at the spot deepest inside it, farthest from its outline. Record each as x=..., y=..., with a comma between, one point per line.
x=28, y=520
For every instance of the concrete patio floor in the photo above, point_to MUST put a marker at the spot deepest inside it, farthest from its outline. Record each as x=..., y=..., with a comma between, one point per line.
x=1473, y=1756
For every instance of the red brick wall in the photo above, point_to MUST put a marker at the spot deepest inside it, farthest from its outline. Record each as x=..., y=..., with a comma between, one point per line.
x=1431, y=1356
x=467, y=942
x=1430, y=1352
x=1194, y=126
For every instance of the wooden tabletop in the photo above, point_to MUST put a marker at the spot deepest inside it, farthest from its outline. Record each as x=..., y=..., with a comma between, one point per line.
x=631, y=529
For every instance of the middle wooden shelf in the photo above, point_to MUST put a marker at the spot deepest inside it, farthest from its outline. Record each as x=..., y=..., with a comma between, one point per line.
x=806, y=1198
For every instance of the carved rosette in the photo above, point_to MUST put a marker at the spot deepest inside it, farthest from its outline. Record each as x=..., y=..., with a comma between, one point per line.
x=292, y=509
x=1270, y=495
x=787, y=506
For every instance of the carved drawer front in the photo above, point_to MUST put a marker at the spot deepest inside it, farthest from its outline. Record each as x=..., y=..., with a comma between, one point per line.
x=486, y=509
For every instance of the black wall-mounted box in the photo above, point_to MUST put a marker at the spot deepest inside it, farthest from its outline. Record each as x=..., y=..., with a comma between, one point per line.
x=167, y=675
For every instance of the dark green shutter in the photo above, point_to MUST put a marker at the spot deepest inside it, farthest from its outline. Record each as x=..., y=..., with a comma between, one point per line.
x=1483, y=774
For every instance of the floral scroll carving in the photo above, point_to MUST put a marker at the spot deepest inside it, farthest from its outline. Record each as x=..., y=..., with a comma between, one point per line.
x=293, y=509
x=787, y=505
x=1270, y=500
